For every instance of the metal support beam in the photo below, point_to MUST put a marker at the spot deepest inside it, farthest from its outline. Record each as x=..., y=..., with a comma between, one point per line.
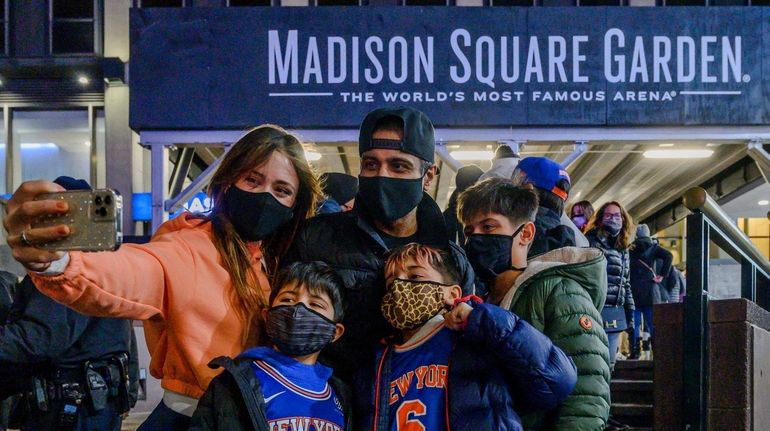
x=443, y=154
x=762, y=157
x=181, y=170
x=159, y=183
x=580, y=148
x=615, y=176
x=197, y=185
x=695, y=324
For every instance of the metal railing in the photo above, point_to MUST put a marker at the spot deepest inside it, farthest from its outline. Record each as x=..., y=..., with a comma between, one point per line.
x=707, y=223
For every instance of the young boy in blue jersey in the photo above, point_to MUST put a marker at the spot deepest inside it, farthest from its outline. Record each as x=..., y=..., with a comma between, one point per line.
x=284, y=388
x=458, y=364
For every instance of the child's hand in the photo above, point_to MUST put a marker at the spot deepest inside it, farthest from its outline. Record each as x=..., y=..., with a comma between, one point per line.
x=457, y=318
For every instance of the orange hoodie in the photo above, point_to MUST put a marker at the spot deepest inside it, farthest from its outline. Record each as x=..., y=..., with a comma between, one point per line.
x=175, y=283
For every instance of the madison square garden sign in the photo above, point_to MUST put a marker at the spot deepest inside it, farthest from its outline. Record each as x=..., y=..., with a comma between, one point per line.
x=227, y=68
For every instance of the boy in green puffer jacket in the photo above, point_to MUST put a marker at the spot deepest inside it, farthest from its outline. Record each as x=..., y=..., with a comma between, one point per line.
x=560, y=293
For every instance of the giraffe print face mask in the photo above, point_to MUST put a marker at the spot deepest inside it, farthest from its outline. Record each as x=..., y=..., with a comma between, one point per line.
x=409, y=304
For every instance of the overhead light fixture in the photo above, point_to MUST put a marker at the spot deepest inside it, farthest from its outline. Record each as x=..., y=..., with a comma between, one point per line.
x=87, y=143
x=472, y=155
x=83, y=80
x=312, y=156
x=665, y=145
x=764, y=203
x=678, y=154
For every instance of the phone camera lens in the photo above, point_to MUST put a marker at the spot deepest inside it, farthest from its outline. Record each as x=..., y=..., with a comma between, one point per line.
x=102, y=211
x=98, y=200
x=108, y=200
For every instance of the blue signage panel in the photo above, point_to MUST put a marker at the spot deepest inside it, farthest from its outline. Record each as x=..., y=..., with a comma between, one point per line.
x=223, y=68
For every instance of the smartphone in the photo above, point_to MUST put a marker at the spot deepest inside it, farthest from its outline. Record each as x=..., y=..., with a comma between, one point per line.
x=95, y=219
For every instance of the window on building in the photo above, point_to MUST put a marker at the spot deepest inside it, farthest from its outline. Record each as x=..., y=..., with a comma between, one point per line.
x=758, y=230
x=599, y=2
x=426, y=2
x=250, y=2
x=685, y=2
x=73, y=29
x=557, y=3
x=3, y=189
x=760, y=2
x=3, y=27
x=642, y=3
x=162, y=3
x=338, y=2
x=512, y=2
x=53, y=143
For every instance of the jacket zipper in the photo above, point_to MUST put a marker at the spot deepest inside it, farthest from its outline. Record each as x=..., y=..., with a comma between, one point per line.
x=377, y=388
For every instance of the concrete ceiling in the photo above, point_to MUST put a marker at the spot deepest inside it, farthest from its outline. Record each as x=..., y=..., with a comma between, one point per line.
x=609, y=170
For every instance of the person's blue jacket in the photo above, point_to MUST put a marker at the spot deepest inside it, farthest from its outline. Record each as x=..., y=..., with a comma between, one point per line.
x=499, y=367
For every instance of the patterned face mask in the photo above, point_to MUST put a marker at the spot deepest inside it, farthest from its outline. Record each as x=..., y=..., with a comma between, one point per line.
x=409, y=304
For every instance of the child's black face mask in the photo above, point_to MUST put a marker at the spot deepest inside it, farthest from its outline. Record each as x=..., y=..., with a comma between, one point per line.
x=299, y=331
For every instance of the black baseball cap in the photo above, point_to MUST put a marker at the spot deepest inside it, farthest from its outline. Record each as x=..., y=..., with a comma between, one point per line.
x=419, y=137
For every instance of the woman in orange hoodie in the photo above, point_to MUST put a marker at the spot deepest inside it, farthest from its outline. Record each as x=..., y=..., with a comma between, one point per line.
x=202, y=281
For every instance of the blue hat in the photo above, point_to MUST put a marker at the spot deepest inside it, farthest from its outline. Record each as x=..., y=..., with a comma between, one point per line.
x=70, y=183
x=544, y=174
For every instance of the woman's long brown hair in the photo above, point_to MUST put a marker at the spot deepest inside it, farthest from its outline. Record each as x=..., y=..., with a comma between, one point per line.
x=252, y=150
x=625, y=237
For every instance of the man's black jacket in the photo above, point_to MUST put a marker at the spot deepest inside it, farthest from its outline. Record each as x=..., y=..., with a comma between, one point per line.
x=349, y=243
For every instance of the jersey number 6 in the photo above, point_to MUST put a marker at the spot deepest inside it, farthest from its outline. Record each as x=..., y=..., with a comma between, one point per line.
x=410, y=408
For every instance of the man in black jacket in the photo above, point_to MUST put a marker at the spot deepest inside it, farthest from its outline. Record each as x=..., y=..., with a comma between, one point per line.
x=392, y=209
x=552, y=184
x=45, y=353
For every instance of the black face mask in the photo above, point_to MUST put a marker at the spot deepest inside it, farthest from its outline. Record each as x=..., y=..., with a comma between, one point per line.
x=255, y=215
x=388, y=199
x=297, y=330
x=490, y=255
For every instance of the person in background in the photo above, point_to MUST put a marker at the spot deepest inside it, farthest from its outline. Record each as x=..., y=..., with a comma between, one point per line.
x=397, y=148
x=201, y=282
x=650, y=268
x=552, y=185
x=474, y=367
x=580, y=213
x=560, y=293
x=611, y=230
x=283, y=387
x=69, y=355
x=465, y=177
x=340, y=192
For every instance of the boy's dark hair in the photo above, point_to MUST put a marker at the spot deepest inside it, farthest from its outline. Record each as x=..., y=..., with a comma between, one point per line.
x=501, y=196
x=437, y=259
x=551, y=201
x=317, y=277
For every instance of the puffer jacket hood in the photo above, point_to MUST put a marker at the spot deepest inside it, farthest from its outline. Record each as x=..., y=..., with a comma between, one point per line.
x=586, y=266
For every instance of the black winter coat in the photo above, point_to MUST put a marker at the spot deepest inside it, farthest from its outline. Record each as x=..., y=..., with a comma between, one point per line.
x=234, y=400
x=351, y=245
x=42, y=334
x=647, y=261
x=619, y=293
x=550, y=234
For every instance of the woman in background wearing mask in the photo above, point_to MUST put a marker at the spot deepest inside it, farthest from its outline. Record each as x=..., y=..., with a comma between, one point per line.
x=202, y=282
x=580, y=213
x=611, y=230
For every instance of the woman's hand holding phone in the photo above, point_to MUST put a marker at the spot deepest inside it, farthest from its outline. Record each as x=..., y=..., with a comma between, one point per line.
x=21, y=212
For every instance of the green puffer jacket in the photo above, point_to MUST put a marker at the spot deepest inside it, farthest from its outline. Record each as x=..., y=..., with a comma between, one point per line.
x=560, y=293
